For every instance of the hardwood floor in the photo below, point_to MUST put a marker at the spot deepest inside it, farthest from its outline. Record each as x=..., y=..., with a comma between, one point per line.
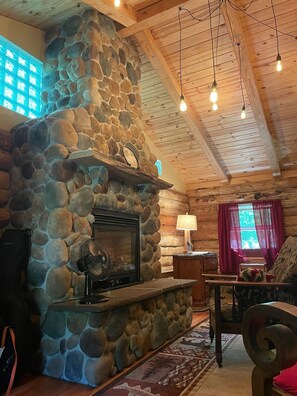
x=33, y=385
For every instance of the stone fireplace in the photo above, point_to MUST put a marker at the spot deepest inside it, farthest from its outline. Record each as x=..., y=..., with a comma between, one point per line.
x=92, y=112
x=119, y=233
x=67, y=166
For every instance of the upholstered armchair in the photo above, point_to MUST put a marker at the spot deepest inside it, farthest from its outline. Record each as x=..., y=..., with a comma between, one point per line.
x=231, y=297
x=270, y=338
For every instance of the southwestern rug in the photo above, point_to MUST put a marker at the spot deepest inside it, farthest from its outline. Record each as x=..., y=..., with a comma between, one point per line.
x=172, y=370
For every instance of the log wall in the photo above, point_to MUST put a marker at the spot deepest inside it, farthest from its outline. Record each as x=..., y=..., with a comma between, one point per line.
x=172, y=203
x=5, y=165
x=204, y=203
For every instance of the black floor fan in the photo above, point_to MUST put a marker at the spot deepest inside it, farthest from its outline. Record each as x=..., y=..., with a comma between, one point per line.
x=95, y=264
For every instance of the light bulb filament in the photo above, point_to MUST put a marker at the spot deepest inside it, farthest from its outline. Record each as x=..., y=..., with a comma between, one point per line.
x=214, y=93
x=243, y=113
x=279, y=66
x=182, y=103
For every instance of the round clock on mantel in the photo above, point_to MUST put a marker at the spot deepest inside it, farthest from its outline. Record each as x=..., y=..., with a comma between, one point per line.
x=130, y=157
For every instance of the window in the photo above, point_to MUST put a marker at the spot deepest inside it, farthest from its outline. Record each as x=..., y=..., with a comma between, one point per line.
x=21, y=79
x=241, y=225
x=249, y=239
x=159, y=167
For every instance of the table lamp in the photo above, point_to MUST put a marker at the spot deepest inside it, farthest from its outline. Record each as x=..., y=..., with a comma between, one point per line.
x=187, y=223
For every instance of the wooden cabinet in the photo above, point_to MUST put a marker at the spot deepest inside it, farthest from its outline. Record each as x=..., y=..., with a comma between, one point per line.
x=192, y=266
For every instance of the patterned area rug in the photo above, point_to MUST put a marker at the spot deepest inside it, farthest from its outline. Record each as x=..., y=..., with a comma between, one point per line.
x=174, y=370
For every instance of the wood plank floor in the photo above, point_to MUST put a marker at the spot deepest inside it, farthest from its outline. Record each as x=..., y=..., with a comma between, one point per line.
x=33, y=385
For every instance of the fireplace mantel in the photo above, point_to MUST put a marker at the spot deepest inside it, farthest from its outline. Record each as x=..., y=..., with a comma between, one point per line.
x=91, y=157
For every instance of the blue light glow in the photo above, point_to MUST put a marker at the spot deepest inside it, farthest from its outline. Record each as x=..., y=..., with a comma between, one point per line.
x=20, y=80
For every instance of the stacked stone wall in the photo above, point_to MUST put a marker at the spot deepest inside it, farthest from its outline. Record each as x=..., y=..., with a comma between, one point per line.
x=91, y=101
x=55, y=197
x=91, y=347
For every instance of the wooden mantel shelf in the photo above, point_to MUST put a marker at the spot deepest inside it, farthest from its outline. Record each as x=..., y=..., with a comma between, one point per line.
x=91, y=157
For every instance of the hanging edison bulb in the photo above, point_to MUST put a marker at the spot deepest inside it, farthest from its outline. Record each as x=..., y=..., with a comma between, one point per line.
x=243, y=113
x=279, y=66
x=214, y=93
x=117, y=3
x=215, y=106
x=182, y=103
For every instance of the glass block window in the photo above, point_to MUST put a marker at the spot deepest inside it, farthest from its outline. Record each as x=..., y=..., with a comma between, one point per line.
x=20, y=80
x=159, y=167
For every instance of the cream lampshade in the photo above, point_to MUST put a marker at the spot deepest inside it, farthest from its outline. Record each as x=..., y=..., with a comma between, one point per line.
x=187, y=223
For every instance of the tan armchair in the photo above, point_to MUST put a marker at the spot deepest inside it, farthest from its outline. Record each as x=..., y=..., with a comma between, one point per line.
x=226, y=308
x=270, y=339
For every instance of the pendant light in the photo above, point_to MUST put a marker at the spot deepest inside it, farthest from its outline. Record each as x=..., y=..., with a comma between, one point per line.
x=117, y=3
x=213, y=97
x=182, y=102
x=279, y=66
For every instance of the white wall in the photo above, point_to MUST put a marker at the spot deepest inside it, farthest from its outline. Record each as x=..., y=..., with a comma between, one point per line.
x=30, y=40
x=27, y=37
x=168, y=174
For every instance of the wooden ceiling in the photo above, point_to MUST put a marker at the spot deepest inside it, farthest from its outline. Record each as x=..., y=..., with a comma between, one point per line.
x=206, y=147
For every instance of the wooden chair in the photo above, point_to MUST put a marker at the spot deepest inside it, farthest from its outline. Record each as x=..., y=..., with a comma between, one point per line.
x=267, y=326
x=225, y=312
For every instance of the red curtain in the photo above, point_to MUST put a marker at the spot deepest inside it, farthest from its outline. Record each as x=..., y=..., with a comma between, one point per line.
x=270, y=230
x=230, y=251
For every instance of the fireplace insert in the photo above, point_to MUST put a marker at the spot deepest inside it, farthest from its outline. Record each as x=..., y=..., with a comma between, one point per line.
x=119, y=234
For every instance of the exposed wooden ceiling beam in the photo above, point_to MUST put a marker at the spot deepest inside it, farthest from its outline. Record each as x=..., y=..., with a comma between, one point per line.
x=191, y=117
x=236, y=33
x=156, y=14
x=125, y=15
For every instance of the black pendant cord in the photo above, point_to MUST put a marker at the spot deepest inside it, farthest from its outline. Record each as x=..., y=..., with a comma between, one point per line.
x=240, y=71
x=275, y=25
x=180, y=53
x=212, y=48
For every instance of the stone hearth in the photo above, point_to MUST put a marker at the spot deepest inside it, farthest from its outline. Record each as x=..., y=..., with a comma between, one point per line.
x=92, y=343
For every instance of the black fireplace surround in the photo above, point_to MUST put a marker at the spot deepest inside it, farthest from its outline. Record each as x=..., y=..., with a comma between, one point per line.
x=119, y=234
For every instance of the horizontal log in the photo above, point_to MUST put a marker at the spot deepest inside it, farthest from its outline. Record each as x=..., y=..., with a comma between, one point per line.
x=5, y=140
x=261, y=182
x=5, y=160
x=211, y=218
x=207, y=246
x=4, y=197
x=169, y=251
x=167, y=220
x=166, y=261
x=290, y=211
x=205, y=210
x=291, y=230
x=171, y=240
x=172, y=211
x=174, y=195
x=4, y=180
x=170, y=230
x=290, y=220
x=176, y=206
